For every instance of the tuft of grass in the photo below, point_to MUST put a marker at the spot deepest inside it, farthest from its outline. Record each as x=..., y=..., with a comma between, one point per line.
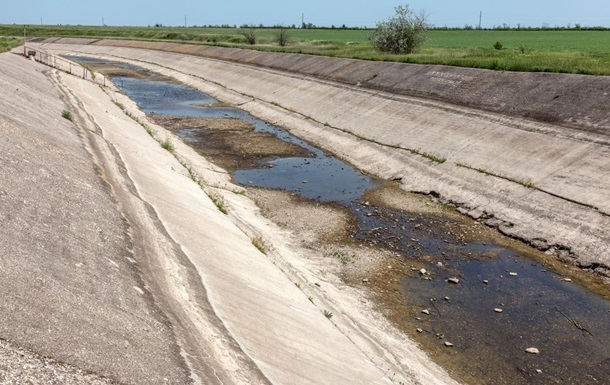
x=149, y=130
x=328, y=314
x=310, y=298
x=219, y=202
x=297, y=284
x=67, y=115
x=120, y=105
x=342, y=256
x=167, y=144
x=8, y=43
x=259, y=243
x=432, y=157
x=526, y=183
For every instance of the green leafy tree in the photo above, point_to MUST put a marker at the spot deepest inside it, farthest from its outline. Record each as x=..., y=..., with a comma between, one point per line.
x=402, y=33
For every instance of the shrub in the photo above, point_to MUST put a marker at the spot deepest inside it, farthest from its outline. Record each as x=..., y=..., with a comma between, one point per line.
x=402, y=33
x=250, y=34
x=281, y=37
x=498, y=45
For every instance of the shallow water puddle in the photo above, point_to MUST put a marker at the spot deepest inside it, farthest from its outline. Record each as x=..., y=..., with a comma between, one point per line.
x=503, y=303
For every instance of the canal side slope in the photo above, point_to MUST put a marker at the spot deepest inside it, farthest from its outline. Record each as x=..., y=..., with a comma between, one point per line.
x=119, y=266
x=543, y=181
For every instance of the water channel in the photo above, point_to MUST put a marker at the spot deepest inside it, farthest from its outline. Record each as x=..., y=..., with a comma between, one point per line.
x=504, y=302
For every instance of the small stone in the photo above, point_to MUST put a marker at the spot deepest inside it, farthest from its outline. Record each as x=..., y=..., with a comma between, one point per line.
x=532, y=351
x=485, y=281
x=422, y=271
x=453, y=280
x=305, y=181
x=498, y=310
x=448, y=344
x=419, y=330
x=439, y=264
x=365, y=280
x=447, y=299
x=512, y=274
x=426, y=311
x=538, y=371
x=566, y=280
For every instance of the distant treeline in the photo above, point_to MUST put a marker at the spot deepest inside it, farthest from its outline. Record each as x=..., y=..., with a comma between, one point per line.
x=504, y=27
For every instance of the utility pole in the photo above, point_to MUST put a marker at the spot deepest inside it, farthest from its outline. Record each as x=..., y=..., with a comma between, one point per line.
x=103, y=24
x=480, y=18
x=303, y=20
x=184, y=21
x=24, y=39
x=40, y=20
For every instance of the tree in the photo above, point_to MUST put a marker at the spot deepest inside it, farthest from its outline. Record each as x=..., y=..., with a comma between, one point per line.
x=281, y=37
x=249, y=32
x=402, y=33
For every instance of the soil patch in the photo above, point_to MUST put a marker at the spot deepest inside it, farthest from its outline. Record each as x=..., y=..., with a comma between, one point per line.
x=112, y=70
x=228, y=142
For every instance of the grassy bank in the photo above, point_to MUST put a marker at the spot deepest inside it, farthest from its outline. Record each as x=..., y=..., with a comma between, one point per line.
x=568, y=51
x=8, y=43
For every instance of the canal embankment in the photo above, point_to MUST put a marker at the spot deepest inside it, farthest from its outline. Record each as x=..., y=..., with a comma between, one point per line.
x=540, y=182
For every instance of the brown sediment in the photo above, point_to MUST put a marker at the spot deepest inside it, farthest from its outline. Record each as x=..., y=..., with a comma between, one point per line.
x=230, y=143
x=113, y=70
x=328, y=228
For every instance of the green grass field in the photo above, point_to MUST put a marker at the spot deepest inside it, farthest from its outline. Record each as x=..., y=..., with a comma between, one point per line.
x=8, y=43
x=568, y=51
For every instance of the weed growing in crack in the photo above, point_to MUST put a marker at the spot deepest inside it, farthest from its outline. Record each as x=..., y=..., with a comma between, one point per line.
x=67, y=115
x=259, y=243
x=432, y=157
x=149, y=130
x=310, y=298
x=328, y=314
x=167, y=144
x=523, y=182
x=219, y=202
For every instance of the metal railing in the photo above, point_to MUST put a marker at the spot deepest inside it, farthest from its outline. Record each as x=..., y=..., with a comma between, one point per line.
x=66, y=65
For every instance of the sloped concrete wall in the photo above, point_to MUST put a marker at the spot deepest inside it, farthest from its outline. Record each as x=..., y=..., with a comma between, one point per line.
x=380, y=132
x=570, y=100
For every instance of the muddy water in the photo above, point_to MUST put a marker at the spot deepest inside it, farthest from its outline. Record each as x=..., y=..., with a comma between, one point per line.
x=503, y=303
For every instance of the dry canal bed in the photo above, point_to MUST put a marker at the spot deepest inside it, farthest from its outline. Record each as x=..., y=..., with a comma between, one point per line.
x=471, y=297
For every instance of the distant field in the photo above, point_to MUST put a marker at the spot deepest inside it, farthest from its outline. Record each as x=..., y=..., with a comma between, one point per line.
x=569, y=51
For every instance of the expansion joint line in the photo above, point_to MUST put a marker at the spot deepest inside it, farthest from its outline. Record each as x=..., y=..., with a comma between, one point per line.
x=532, y=186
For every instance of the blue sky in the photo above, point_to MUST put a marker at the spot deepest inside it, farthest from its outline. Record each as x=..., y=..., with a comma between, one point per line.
x=319, y=12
